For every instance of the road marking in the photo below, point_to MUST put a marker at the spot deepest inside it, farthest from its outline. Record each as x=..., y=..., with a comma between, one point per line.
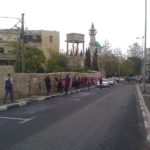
x=143, y=113
x=27, y=120
x=146, y=95
x=22, y=120
x=146, y=124
x=75, y=99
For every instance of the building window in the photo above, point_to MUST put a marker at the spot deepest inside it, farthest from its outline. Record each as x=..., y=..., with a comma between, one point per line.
x=1, y=50
x=36, y=38
x=51, y=38
x=32, y=38
x=28, y=38
x=9, y=52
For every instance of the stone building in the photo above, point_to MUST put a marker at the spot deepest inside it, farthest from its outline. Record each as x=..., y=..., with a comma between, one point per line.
x=92, y=44
x=42, y=39
x=75, y=50
x=45, y=40
x=75, y=39
x=76, y=47
x=6, y=51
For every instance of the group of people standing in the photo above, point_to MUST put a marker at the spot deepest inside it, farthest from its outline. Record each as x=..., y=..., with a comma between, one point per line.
x=62, y=84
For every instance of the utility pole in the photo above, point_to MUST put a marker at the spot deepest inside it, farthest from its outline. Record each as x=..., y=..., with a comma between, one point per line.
x=22, y=43
x=144, y=82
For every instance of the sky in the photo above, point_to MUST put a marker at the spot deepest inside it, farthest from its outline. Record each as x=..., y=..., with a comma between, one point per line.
x=118, y=21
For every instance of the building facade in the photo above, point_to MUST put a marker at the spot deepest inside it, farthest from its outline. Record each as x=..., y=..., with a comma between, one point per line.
x=6, y=50
x=92, y=44
x=42, y=39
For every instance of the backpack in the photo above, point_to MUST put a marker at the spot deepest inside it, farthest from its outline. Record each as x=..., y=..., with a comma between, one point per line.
x=8, y=84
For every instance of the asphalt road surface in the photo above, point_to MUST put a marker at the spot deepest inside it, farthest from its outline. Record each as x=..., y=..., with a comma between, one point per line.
x=96, y=120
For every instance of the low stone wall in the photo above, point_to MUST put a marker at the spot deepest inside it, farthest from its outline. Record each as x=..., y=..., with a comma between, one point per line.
x=32, y=84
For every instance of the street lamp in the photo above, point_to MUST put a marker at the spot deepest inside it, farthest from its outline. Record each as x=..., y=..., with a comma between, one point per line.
x=144, y=77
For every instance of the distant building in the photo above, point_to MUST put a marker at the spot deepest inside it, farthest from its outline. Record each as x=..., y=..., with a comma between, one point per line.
x=6, y=50
x=75, y=52
x=44, y=40
x=92, y=44
x=75, y=39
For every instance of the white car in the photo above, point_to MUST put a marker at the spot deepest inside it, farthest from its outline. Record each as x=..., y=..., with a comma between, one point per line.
x=111, y=81
x=105, y=83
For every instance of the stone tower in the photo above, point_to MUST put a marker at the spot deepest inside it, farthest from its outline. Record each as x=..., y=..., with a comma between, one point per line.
x=92, y=44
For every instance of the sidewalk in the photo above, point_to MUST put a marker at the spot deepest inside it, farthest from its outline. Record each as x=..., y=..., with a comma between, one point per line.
x=26, y=101
x=146, y=96
x=144, y=99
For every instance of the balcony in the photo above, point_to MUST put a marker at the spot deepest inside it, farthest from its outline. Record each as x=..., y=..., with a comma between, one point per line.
x=7, y=57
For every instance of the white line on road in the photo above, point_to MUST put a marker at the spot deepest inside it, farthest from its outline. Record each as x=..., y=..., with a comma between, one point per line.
x=146, y=94
x=146, y=124
x=27, y=120
x=22, y=120
x=75, y=99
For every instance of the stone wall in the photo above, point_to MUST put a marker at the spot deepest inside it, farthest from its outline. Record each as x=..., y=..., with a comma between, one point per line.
x=32, y=84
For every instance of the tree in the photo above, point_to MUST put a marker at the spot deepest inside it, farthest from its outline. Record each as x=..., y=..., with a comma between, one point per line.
x=34, y=58
x=34, y=61
x=126, y=68
x=135, y=58
x=135, y=50
x=106, y=48
x=88, y=59
x=94, y=62
x=136, y=64
x=57, y=62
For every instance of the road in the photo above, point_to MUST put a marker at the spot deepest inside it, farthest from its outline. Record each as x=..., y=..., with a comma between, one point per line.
x=96, y=120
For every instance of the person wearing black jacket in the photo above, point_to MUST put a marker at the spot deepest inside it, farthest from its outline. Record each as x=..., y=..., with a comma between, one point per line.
x=67, y=84
x=48, y=84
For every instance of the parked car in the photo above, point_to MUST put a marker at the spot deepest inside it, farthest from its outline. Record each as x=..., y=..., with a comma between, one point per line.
x=121, y=80
x=105, y=83
x=111, y=81
x=132, y=78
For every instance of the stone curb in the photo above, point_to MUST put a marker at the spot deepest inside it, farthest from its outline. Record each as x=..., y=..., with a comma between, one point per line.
x=145, y=114
x=26, y=101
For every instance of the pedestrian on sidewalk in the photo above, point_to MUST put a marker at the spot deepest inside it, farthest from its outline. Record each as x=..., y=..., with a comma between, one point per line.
x=48, y=84
x=59, y=85
x=88, y=83
x=8, y=88
x=100, y=81
x=67, y=84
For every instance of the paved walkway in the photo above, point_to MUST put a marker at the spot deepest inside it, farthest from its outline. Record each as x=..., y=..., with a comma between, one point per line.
x=146, y=95
x=144, y=99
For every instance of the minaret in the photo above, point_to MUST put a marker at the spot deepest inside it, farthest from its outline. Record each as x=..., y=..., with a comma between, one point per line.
x=92, y=33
